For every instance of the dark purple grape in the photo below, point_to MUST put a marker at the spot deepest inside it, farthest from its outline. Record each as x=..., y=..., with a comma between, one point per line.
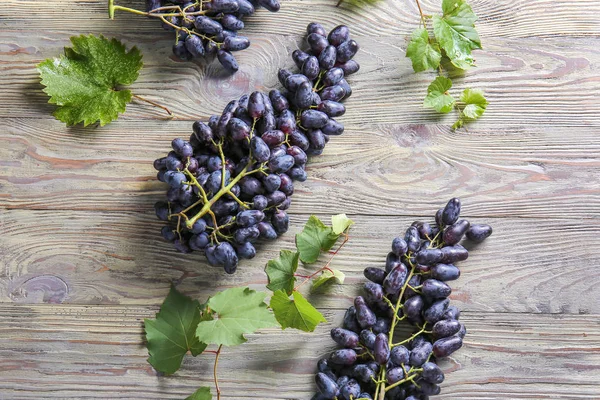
x=303, y=95
x=267, y=231
x=374, y=274
x=351, y=390
x=434, y=289
x=246, y=7
x=349, y=67
x=227, y=60
x=342, y=380
x=246, y=251
x=432, y=373
x=331, y=108
x=445, y=272
x=436, y=311
x=278, y=100
x=420, y=353
x=346, y=88
x=446, y=346
x=280, y=222
x=229, y=21
x=381, y=349
x=399, y=246
x=478, y=233
x=313, y=119
x=347, y=50
x=350, y=321
x=317, y=43
x=344, y=337
x=367, y=338
x=256, y=105
x=363, y=373
x=394, y=375
x=260, y=150
x=429, y=256
x=333, y=76
x=395, y=279
x=249, y=217
x=452, y=254
x=181, y=246
x=444, y=328
x=332, y=127
x=462, y=332
x=335, y=93
x=327, y=386
x=181, y=52
x=373, y=292
x=225, y=254
x=310, y=68
x=412, y=239
x=282, y=75
x=316, y=139
x=273, y=138
x=314, y=27
x=452, y=313
x=194, y=46
x=413, y=307
x=199, y=242
x=451, y=212
x=272, y=182
x=293, y=82
x=271, y=5
x=287, y=185
x=382, y=325
x=339, y=35
x=455, y=232
x=365, y=317
x=207, y=25
x=399, y=355
x=343, y=357
x=281, y=164
x=327, y=58
x=275, y=198
x=236, y=43
x=298, y=174
x=168, y=233
x=249, y=234
x=300, y=57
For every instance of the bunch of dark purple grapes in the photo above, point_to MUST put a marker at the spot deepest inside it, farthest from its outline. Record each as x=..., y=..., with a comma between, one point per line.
x=372, y=363
x=231, y=183
x=207, y=27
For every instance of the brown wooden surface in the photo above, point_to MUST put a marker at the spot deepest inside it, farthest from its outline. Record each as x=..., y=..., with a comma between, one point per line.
x=82, y=262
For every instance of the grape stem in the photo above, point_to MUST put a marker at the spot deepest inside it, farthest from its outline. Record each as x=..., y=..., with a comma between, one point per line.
x=422, y=15
x=218, y=353
x=171, y=115
x=326, y=266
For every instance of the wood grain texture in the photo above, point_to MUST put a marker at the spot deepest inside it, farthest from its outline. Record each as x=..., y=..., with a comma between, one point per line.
x=119, y=258
x=527, y=81
x=97, y=352
x=82, y=263
x=387, y=170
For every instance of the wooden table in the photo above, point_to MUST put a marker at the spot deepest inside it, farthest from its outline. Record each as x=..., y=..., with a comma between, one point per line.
x=82, y=260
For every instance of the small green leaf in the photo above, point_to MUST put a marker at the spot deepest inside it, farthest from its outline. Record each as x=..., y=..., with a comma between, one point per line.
x=438, y=97
x=475, y=101
x=339, y=223
x=201, y=394
x=328, y=277
x=86, y=82
x=314, y=238
x=455, y=32
x=423, y=54
x=172, y=334
x=236, y=311
x=281, y=271
x=295, y=313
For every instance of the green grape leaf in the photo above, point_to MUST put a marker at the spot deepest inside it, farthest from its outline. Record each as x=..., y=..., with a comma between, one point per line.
x=235, y=312
x=201, y=394
x=455, y=32
x=314, y=238
x=438, y=97
x=339, y=223
x=327, y=277
x=475, y=101
x=295, y=313
x=172, y=334
x=86, y=82
x=423, y=54
x=280, y=271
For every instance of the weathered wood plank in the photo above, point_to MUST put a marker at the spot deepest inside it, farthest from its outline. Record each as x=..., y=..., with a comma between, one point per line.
x=97, y=352
x=542, y=266
x=385, y=170
x=527, y=81
x=505, y=18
